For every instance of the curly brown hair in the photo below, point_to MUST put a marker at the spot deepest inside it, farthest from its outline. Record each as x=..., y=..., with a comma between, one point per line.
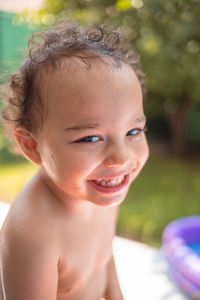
x=46, y=51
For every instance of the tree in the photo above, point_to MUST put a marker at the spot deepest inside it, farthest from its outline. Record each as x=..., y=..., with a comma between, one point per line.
x=167, y=36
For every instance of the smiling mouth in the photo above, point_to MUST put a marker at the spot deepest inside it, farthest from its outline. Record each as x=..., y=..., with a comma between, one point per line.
x=110, y=182
x=110, y=185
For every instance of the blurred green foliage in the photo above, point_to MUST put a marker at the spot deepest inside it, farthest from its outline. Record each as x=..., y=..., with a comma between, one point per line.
x=194, y=125
x=167, y=189
x=166, y=34
x=13, y=39
x=7, y=157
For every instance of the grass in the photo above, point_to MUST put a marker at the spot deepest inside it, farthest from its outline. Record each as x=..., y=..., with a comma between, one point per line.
x=166, y=189
x=13, y=177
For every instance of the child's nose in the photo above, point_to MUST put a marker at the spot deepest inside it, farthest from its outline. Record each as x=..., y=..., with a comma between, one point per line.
x=120, y=156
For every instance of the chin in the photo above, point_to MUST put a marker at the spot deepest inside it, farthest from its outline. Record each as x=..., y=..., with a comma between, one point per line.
x=109, y=201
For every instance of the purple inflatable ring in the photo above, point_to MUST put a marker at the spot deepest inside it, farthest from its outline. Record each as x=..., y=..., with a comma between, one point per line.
x=180, y=237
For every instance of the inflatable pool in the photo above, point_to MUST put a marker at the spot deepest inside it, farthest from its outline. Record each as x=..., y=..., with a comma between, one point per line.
x=181, y=248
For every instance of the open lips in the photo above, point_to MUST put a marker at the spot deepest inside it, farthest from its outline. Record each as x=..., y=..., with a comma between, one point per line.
x=110, y=185
x=110, y=182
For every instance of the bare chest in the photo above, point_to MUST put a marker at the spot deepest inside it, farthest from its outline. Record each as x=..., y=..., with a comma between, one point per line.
x=86, y=250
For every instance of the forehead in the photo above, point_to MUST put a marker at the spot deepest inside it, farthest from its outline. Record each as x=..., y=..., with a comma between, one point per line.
x=75, y=90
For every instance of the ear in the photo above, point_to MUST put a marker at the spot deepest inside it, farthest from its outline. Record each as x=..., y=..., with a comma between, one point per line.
x=28, y=145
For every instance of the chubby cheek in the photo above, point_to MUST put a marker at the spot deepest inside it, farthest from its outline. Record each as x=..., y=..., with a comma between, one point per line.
x=68, y=168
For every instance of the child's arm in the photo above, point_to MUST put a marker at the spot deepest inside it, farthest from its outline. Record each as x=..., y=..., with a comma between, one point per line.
x=29, y=266
x=113, y=291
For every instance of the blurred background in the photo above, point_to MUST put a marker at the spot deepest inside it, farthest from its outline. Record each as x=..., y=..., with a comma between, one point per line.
x=166, y=34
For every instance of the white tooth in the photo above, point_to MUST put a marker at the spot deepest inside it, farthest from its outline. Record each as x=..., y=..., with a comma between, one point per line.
x=110, y=182
x=103, y=183
x=119, y=179
x=113, y=180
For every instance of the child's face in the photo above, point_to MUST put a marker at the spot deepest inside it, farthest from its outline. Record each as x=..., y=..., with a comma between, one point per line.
x=93, y=131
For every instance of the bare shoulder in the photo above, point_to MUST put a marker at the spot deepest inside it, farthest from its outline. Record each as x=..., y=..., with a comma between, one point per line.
x=29, y=248
x=28, y=253
x=32, y=206
x=29, y=225
x=31, y=221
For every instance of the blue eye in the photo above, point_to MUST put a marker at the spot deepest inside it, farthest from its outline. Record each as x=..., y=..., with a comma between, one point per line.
x=93, y=138
x=136, y=131
x=89, y=139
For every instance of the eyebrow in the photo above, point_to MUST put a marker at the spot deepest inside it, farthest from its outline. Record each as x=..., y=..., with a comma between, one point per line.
x=84, y=126
x=95, y=125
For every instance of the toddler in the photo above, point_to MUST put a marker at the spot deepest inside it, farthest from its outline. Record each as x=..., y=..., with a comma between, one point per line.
x=77, y=113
